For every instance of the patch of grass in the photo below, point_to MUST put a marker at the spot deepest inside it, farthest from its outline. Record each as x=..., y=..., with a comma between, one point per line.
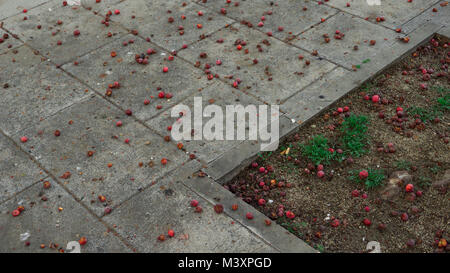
x=354, y=135
x=317, y=150
x=319, y=247
x=264, y=155
x=435, y=110
x=292, y=227
x=424, y=181
x=425, y=114
x=435, y=169
x=375, y=178
x=366, y=87
x=444, y=102
x=403, y=165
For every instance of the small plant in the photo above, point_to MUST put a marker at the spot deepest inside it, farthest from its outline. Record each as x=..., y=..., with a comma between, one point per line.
x=320, y=248
x=434, y=111
x=317, y=150
x=372, y=179
x=264, y=155
x=444, y=102
x=403, y=165
x=292, y=227
x=366, y=87
x=435, y=169
x=354, y=135
x=424, y=181
x=425, y=114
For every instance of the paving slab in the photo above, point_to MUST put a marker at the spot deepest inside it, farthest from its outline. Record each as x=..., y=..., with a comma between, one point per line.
x=278, y=72
x=9, y=8
x=274, y=235
x=151, y=19
x=445, y=31
x=93, y=34
x=313, y=99
x=146, y=216
x=7, y=41
x=218, y=94
x=33, y=89
x=293, y=16
x=358, y=32
x=394, y=12
x=17, y=170
x=439, y=17
x=91, y=126
x=42, y=222
x=138, y=82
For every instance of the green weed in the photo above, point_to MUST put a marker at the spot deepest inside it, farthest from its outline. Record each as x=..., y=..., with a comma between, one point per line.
x=375, y=178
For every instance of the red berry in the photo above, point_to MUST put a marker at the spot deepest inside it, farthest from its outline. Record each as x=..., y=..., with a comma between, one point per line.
x=409, y=188
x=171, y=233
x=405, y=216
x=82, y=241
x=320, y=174
x=15, y=212
x=290, y=214
x=335, y=223
x=249, y=215
x=218, y=208
x=194, y=203
x=363, y=174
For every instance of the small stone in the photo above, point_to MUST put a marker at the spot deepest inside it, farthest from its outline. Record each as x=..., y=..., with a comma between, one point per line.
x=402, y=175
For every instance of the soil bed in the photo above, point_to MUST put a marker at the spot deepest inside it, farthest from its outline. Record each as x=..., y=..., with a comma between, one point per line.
x=407, y=130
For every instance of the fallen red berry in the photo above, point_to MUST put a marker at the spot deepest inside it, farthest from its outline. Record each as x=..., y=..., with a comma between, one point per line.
x=363, y=174
x=171, y=233
x=290, y=214
x=194, y=203
x=367, y=222
x=218, y=208
x=409, y=188
x=261, y=202
x=82, y=241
